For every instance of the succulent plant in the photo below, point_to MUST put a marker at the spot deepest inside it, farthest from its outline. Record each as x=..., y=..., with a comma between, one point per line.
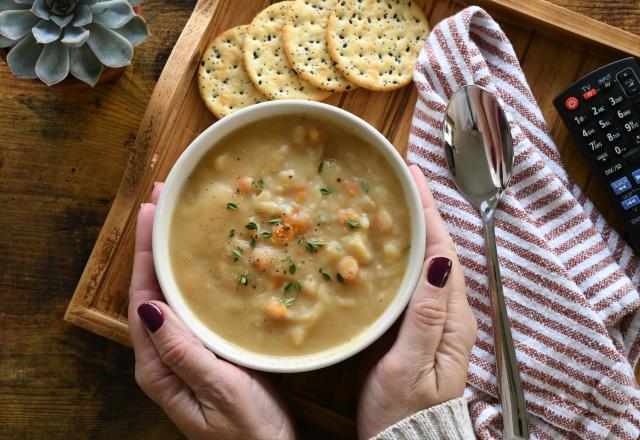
x=51, y=38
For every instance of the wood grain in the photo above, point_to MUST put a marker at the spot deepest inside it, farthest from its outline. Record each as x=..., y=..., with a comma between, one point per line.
x=62, y=157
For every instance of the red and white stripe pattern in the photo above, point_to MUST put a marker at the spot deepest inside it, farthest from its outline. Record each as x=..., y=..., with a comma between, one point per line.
x=569, y=280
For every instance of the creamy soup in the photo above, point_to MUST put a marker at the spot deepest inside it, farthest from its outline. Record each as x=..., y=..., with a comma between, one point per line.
x=290, y=237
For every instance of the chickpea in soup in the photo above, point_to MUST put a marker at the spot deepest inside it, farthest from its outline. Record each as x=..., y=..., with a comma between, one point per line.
x=290, y=237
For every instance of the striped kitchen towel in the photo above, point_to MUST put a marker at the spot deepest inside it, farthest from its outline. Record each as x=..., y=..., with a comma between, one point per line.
x=570, y=281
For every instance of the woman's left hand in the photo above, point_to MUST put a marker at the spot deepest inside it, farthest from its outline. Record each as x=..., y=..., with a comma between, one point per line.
x=206, y=397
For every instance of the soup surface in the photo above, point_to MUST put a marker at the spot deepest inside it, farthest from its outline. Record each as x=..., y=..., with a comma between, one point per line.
x=290, y=237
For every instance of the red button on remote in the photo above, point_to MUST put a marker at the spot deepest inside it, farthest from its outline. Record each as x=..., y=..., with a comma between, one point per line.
x=590, y=94
x=571, y=103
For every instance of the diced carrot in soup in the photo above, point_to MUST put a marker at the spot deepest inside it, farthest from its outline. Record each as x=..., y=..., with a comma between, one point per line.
x=348, y=268
x=344, y=215
x=349, y=186
x=283, y=233
x=299, y=220
x=275, y=309
x=261, y=259
x=245, y=184
x=301, y=194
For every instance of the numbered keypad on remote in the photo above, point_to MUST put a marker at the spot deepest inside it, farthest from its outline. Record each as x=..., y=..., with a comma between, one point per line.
x=602, y=111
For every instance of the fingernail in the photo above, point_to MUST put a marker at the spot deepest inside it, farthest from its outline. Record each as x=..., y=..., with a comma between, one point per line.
x=155, y=184
x=438, y=271
x=151, y=316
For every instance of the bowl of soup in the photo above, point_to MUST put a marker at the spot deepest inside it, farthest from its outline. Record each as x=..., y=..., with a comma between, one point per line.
x=289, y=236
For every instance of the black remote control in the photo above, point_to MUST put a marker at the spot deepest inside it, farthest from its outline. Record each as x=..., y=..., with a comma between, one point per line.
x=602, y=112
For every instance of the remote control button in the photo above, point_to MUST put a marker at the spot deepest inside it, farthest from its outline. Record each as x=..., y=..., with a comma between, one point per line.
x=630, y=202
x=615, y=99
x=624, y=113
x=631, y=125
x=580, y=119
x=636, y=176
x=605, y=122
x=599, y=108
x=634, y=221
x=631, y=87
x=620, y=149
x=629, y=81
x=621, y=185
x=605, y=81
x=612, y=136
x=624, y=74
x=603, y=157
x=633, y=157
x=612, y=169
x=587, y=132
x=590, y=94
x=571, y=103
x=595, y=144
x=636, y=139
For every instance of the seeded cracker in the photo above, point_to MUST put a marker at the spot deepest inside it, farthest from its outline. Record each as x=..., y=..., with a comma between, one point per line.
x=305, y=44
x=266, y=63
x=375, y=44
x=224, y=85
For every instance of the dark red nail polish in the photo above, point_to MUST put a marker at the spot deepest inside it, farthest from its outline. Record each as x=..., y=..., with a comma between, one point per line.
x=151, y=316
x=438, y=271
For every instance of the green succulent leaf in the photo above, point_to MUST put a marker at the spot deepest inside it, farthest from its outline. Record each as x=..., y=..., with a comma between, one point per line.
x=83, y=16
x=75, y=36
x=23, y=56
x=17, y=24
x=6, y=42
x=63, y=7
x=111, y=48
x=46, y=32
x=53, y=64
x=85, y=65
x=136, y=31
x=41, y=10
x=62, y=21
x=112, y=13
x=10, y=5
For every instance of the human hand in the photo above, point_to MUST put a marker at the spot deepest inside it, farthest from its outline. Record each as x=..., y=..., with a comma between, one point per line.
x=206, y=397
x=429, y=360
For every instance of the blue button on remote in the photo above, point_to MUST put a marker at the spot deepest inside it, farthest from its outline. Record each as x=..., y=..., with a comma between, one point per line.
x=631, y=202
x=622, y=185
x=636, y=176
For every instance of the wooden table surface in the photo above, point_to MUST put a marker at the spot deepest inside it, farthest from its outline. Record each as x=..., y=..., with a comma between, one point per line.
x=62, y=155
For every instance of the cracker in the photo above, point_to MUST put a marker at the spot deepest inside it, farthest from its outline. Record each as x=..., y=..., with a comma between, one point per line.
x=305, y=44
x=375, y=43
x=266, y=63
x=224, y=85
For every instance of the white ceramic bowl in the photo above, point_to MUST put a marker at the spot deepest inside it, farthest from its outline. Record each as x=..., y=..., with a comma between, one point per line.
x=184, y=167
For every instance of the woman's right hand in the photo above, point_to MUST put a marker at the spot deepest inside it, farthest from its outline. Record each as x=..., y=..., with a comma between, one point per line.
x=429, y=361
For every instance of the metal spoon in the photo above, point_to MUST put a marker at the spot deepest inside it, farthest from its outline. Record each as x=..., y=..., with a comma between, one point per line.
x=479, y=151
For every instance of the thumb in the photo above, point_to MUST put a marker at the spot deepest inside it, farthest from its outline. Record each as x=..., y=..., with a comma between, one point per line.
x=177, y=347
x=424, y=320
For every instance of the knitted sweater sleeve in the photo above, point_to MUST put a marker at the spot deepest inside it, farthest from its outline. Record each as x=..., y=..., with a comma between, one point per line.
x=447, y=421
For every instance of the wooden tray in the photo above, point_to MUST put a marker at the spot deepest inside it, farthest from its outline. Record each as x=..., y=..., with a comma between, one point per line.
x=555, y=47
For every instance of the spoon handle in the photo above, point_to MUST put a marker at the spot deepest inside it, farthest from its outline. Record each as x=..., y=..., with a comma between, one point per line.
x=514, y=411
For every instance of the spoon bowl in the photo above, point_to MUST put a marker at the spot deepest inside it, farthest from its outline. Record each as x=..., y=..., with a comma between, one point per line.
x=478, y=146
x=479, y=150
